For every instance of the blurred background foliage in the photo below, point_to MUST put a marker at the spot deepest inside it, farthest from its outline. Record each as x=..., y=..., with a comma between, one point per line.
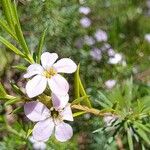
x=126, y=24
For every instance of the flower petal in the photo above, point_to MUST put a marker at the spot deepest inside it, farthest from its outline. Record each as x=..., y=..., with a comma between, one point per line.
x=65, y=65
x=39, y=146
x=58, y=85
x=48, y=59
x=36, y=111
x=32, y=140
x=67, y=113
x=33, y=70
x=43, y=130
x=36, y=86
x=59, y=102
x=63, y=132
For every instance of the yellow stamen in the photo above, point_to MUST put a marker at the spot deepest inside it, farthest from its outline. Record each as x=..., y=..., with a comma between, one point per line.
x=49, y=73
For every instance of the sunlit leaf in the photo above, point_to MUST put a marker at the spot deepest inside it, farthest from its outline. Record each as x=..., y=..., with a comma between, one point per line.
x=104, y=105
x=40, y=46
x=7, y=29
x=20, y=67
x=12, y=101
x=76, y=83
x=80, y=99
x=7, y=11
x=143, y=135
x=11, y=47
x=78, y=113
x=129, y=137
x=2, y=91
x=16, y=89
x=128, y=89
x=79, y=89
x=104, y=99
x=29, y=132
x=21, y=39
x=17, y=110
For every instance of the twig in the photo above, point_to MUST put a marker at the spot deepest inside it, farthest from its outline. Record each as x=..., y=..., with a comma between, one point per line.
x=93, y=110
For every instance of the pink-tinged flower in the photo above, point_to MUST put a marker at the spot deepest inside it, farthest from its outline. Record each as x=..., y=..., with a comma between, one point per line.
x=89, y=40
x=111, y=52
x=85, y=22
x=96, y=54
x=101, y=35
x=48, y=73
x=49, y=121
x=84, y=10
x=37, y=145
x=110, y=83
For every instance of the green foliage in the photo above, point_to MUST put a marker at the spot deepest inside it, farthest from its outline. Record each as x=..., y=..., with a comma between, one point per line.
x=41, y=43
x=131, y=113
x=14, y=29
x=125, y=23
x=79, y=90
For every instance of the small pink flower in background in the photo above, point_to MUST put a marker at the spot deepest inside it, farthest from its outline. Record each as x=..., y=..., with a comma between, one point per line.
x=147, y=37
x=110, y=83
x=37, y=145
x=111, y=52
x=85, y=22
x=49, y=121
x=101, y=35
x=96, y=54
x=48, y=73
x=89, y=40
x=84, y=10
x=115, y=59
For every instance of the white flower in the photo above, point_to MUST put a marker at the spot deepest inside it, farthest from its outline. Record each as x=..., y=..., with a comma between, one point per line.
x=89, y=40
x=37, y=145
x=84, y=10
x=85, y=22
x=96, y=54
x=147, y=37
x=49, y=121
x=101, y=35
x=47, y=73
x=110, y=83
x=115, y=59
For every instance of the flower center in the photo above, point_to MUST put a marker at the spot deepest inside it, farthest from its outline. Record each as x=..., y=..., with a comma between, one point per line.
x=57, y=118
x=49, y=73
x=54, y=113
